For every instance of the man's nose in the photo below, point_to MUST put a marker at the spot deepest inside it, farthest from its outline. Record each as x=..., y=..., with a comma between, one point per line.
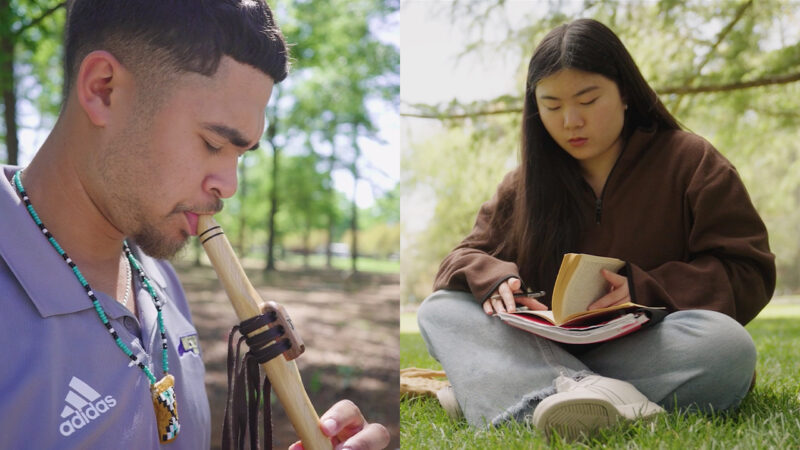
x=222, y=182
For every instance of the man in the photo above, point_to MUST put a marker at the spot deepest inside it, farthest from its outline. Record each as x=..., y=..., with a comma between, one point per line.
x=160, y=100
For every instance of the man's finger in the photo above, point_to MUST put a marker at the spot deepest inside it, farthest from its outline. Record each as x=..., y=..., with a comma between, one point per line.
x=487, y=307
x=373, y=437
x=343, y=414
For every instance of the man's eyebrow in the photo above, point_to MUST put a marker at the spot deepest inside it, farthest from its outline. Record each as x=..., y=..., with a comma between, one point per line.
x=577, y=94
x=231, y=134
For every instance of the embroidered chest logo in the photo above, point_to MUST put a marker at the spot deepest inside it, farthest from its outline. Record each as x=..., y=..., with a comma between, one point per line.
x=84, y=404
x=189, y=344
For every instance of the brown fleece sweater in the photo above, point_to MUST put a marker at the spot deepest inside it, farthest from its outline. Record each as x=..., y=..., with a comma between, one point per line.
x=673, y=208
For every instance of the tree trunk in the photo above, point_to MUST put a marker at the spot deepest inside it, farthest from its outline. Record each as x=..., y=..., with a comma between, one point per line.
x=306, y=245
x=273, y=210
x=242, y=210
x=354, y=221
x=331, y=197
x=329, y=243
x=7, y=83
x=354, y=213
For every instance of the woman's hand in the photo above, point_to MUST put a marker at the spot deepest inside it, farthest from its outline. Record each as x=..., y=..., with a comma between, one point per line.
x=617, y=292
x=503, y=300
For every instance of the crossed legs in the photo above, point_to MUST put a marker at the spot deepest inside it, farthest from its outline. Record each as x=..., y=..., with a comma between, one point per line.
x=693, y=359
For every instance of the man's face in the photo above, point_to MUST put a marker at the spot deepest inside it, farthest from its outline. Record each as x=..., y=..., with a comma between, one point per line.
x=162, y=166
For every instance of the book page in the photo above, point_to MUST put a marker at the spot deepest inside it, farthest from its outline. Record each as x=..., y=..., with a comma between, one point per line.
x=617, y=327
x=584, y=286
x=599, y=315
x=546, y=315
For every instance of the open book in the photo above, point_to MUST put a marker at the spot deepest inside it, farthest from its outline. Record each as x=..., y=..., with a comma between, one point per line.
x=578, y=284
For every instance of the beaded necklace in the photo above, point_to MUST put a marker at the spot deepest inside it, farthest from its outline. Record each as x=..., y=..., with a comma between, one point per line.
x=162, y=391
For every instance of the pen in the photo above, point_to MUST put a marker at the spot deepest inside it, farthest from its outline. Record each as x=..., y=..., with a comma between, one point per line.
x=522, y=294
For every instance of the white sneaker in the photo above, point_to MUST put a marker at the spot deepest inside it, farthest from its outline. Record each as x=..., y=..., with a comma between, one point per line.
x=447, y=398
x=581, y=407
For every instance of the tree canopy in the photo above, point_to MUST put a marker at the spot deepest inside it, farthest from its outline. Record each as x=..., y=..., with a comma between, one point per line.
x=343, y=71
x=729, y=70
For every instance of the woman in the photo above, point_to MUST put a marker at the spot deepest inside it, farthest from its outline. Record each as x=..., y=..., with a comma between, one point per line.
x=605, y=170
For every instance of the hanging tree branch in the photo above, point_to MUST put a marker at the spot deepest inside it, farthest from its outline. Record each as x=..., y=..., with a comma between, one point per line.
x=735, y=86
x=45, y=14
x=711, y=51
x=467, y=115
x=678, y=90
x=673, y=90
x=720, y=37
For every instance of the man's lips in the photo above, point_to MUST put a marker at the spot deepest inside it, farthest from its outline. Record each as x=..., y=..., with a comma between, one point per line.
x=192, y=219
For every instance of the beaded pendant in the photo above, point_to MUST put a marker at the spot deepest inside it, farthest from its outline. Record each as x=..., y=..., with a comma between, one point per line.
x=166, y=408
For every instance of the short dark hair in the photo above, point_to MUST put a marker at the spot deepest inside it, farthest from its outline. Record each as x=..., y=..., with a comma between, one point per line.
x=159, y=37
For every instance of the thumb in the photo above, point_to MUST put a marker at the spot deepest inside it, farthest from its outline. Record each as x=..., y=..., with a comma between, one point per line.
x=514, y=283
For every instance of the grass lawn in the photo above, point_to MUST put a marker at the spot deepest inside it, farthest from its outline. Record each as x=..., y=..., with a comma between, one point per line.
x=363, y=263
x=769, y=417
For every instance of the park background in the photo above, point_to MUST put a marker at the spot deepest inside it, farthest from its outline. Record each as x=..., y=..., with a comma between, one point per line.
x=316, y=218
x=729, y=70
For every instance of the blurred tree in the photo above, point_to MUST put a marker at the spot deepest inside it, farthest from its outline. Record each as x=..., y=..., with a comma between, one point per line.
x=456, y=170
x=29, y=47
x=728, y=70
x=306, y=198
x=381, y=225
x=343, y=65
x=270, y=137
x=386, y=210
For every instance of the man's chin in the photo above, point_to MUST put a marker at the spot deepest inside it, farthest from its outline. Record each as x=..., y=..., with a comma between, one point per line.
x=160, y=247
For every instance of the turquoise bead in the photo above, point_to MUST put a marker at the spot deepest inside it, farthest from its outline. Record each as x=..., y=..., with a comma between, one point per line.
x=96, y=303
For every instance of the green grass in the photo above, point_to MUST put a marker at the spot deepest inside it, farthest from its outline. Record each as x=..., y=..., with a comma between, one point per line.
x=363, y=263
x=769, y=417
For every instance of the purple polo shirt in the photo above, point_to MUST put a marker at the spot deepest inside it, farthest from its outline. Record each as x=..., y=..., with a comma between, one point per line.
x=64, y=383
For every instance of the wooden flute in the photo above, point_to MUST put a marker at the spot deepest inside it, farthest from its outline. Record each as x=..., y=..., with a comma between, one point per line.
x=282, y=374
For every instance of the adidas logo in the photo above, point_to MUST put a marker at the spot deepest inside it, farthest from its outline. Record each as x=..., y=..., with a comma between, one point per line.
x=83, y=405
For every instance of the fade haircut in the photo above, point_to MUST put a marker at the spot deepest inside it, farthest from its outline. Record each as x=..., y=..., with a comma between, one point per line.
x=159, y=39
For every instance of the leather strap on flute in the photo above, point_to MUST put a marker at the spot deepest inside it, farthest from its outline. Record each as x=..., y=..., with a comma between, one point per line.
x=283, y=374
x=280, y=339
x=248, y=390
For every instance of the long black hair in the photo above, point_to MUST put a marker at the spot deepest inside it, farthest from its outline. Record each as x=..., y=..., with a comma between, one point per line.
x=546, y=221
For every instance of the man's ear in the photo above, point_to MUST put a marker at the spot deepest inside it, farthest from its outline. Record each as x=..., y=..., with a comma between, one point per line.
x=98, y=83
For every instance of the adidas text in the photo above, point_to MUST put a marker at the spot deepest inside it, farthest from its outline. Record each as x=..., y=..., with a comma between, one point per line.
x=83, y=405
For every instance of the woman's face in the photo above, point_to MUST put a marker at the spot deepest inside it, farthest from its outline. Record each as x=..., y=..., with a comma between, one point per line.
x=584, y=113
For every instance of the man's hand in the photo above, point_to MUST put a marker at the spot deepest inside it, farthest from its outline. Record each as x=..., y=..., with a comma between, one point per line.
x=502, y=299
x=617, y=291
x=348, y=429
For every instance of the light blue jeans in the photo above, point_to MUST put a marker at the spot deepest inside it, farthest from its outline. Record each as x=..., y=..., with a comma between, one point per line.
x=697, y=359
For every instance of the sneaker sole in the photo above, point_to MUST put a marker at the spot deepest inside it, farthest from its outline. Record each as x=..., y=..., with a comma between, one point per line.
x=571, y=418
x=447, y=398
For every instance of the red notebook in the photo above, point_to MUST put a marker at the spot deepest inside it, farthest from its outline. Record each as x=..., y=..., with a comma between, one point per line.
x=586, y=329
